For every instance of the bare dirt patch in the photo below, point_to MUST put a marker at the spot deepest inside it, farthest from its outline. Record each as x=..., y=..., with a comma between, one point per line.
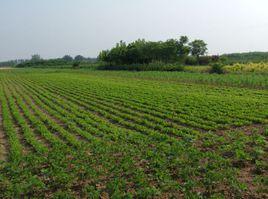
x=248, y=130
x=6, y=68
x=3, y=140
x=247, y=176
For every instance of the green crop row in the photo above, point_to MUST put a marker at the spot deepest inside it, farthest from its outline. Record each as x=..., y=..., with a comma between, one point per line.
x=120, y=135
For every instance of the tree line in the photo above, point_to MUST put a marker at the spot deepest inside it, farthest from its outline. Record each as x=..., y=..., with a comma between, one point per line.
x=11, y=62
x=66, y=60
x=145, y=55
x=246, y=57
x=145, y=52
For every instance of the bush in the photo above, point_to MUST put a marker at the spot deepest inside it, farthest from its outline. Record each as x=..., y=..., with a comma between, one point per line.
x=154, y=66
x=191, y=61
x=76, y=65
x=217, y=68
x=205, y=60
x=160, y=66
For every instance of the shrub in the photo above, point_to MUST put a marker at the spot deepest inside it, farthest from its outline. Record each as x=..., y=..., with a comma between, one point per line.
x=191, y=61
x=154, y=66
x=217, y=68
x=76, y=65
x=204, y=60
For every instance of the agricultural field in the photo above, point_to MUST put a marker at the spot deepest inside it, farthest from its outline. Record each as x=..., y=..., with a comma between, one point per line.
x=97, y=134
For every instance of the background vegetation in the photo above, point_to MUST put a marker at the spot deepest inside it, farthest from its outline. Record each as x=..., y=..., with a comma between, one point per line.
x=170, y=55
x=247, y=57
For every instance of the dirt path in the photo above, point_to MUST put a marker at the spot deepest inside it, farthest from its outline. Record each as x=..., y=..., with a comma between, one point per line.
x=3, y=141
x=6, y=68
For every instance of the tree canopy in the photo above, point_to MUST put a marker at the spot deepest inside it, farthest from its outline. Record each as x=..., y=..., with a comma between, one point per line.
x=36, y=58
x=247, y=57
x=198, y=48
x=67, y=58
x=145, y=52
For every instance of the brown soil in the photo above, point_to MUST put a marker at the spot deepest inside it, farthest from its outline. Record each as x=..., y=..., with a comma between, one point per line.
x=248, y=130
x=3, y=140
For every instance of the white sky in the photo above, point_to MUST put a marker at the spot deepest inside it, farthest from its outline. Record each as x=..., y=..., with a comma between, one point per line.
x=53, y=28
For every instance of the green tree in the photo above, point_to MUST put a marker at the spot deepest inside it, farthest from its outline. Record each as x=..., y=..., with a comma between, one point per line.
x=198, y=48
x=146, y=52
x=183, y=48
x=76, y=65
x=79, y=58
x=183, y=40
x=67, y=58
x=36, y=58
x=104, y=56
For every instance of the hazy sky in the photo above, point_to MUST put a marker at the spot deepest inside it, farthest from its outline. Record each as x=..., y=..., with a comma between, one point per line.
x=53, y=28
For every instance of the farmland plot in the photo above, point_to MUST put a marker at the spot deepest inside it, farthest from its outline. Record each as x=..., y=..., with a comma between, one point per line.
x=98, y=134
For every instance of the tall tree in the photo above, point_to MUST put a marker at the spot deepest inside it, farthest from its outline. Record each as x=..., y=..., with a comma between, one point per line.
x=79, y=58
x=183, y=48
x=183, y=40
x=198, y=48
x=67, y=58
x=36, y=58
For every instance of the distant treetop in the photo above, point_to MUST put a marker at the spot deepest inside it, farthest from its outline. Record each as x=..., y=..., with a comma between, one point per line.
x=247, y=57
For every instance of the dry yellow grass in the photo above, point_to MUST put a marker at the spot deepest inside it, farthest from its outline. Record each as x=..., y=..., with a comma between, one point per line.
x=250, y=67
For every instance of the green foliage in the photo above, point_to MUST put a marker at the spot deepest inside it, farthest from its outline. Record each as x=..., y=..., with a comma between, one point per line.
x=67, y=58
x=249, y=80
x=255, y=57
x=65, y=62
x=76, y=65
x=191, y=60
x=44, y=63
x=119, y=134
x=154, y=66
x=79, y=58
x=206, y=60
x=146, y=52
x=11, y=63
x=217, y=68
x=261, y=68
x=202, y=60
x=198, y=48
x=36, y=58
